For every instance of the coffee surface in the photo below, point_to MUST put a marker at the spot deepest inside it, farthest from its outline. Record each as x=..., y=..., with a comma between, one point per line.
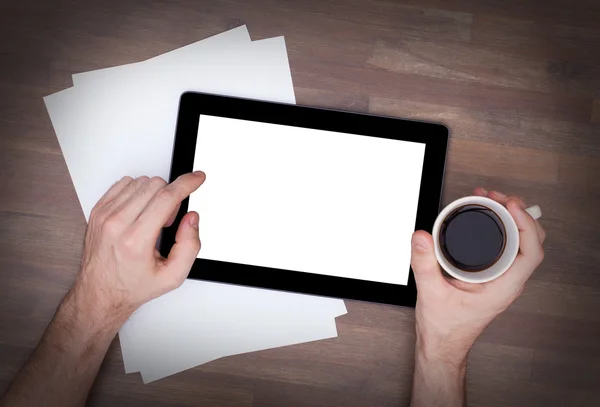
x=472, y=238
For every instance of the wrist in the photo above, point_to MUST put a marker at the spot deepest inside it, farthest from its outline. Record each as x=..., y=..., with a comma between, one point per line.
x=88, y=306
x=83, y=327
x=444, y=351
x=440, y=373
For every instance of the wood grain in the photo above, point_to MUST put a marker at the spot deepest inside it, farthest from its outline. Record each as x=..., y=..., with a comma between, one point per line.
x=465, y=62
x=518, y=84
x=514, y=127
x=540, y=40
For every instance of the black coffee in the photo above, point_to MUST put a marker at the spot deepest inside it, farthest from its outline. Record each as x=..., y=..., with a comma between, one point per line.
x=472, y=238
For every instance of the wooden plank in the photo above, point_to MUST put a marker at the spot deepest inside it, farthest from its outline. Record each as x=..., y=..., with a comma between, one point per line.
x=596, y=111
x=517, y=393
x=385, y=84
x=498, y=363
x=505, y=127
x=352, y=102
x=573, y=302
x=581, y=14
x=269, y=394
x=538, y=39
x=554, y=334
x=512, y=162
x=469, y=63
x=567, y=371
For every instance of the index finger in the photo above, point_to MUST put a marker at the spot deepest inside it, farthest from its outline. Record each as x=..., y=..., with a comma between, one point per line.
x=159, y=209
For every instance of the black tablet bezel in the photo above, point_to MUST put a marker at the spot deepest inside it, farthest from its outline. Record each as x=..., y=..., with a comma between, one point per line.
x=434, y=136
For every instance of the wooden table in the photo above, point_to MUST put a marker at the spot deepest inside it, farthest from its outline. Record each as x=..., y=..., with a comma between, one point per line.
x=518, y=83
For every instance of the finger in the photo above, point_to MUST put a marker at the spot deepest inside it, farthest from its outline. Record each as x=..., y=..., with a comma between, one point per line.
x=424, y=263
x=144, y=190
x=513, y=281
x=479, y=191
x=114, y=191
x=528, y=235
x=120, y=200
x=531, y=252
x=541, y=232
x=156, y=214
x=173, y=216
x=503, y=198
x=183, y=253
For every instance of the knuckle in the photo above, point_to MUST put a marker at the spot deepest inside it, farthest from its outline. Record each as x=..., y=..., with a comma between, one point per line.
x=111, y=225
x=94, y=213
x=176, y=188
x=158, y=182
x=143, y=180
x=517, y=200
x=182, y=177
x=131, y=243
x=177, y=282
x=195, y=245
x=542, y=233
x=173, y=283
x=541, y=256
x=127, y=178
x=164, y=195
x=99, y=217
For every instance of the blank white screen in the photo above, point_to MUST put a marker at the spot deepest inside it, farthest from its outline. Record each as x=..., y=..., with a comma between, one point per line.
x=307, y=200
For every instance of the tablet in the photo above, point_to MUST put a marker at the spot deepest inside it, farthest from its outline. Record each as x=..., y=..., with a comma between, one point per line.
x=307, y=200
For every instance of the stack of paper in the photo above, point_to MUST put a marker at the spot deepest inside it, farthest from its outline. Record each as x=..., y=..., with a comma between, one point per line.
x=121, y=121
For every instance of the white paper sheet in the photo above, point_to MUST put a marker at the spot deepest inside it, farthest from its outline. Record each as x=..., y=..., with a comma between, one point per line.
x=317, y=329
x=226, y=42
x=196, y=336
x=120, y=121
x=132, y=121
x=153, y=332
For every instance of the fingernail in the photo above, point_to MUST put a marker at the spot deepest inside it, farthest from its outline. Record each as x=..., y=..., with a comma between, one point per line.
x=499, y=194
x=485, y=191
x=194, y=221
x=420, y=245
x=199, y=173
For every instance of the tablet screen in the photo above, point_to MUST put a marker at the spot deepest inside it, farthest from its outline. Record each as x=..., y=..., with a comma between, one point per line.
x=307, y=200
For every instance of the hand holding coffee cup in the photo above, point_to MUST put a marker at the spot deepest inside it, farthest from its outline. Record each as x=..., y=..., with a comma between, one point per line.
x=452, y=312
x=476, y=239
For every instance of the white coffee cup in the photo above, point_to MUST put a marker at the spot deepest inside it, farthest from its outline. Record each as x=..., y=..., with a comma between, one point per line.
x=511, y=247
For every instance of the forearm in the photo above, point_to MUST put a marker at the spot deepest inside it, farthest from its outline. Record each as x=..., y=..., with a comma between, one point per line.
x=63, y=367
x=440, y=373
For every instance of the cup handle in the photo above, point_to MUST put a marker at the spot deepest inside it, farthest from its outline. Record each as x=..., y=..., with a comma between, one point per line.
x=534, y=211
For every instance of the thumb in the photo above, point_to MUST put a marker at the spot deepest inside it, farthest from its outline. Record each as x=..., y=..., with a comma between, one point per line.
x=184, y=251
x=424, y=264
